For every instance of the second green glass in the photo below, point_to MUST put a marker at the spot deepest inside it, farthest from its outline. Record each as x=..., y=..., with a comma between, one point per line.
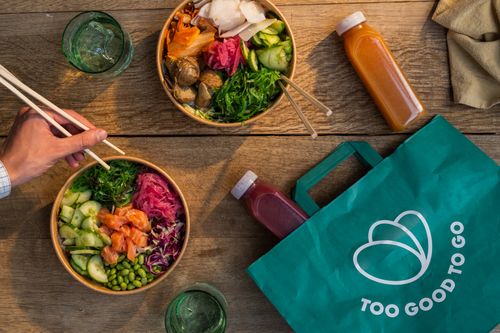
x=95, y=43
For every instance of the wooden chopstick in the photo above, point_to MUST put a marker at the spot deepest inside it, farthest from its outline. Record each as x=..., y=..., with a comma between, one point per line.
x=308, y=96
x=297, y=108
x=14, y=80
x=49, y=119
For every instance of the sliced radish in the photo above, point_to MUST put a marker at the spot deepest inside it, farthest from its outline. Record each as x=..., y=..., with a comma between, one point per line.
x=255, y=28
x=253, y=11
x=235, y=31
x=226, y=14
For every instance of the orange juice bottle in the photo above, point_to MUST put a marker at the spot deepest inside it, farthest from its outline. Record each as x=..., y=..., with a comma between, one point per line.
x=379, y=71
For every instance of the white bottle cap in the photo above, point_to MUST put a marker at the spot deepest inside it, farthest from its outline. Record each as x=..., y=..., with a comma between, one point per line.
x=349, y=22
x=243, y=184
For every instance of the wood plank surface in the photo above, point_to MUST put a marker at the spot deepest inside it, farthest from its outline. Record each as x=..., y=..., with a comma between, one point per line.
x=40, y=6
x=39, y=296
x=135, y=104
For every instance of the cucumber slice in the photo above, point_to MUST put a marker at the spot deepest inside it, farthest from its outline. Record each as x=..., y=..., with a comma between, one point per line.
x=90, y=224
x=273, y=58
x=90, y=208
x=69, y=198
x=68, y=241
x=77, y=218
x=85, y=252
x=287, y=46
x=252, y=61
x=81, y=261
x=96, y=270
x=87, y=238
x=77, y=269
x=269, y=40
x=269, y=30
x=244, y=49
x=256, y=41
x=105, y=238
x=68, y=231
x=278, y=26
x=84, y=196
x=66, y=213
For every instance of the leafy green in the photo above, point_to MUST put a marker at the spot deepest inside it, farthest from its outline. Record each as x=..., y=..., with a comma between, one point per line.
x=245, y=94
x=113, y=187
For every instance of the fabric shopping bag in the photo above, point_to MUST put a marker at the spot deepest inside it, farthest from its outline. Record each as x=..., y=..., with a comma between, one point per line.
x=413, y=246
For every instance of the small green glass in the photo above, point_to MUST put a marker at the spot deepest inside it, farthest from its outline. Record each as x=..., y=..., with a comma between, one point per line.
x=95, y=43
x=200, y=308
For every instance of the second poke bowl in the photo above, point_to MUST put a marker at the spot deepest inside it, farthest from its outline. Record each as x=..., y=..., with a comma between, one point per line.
x=120, y=231
x=220, y=61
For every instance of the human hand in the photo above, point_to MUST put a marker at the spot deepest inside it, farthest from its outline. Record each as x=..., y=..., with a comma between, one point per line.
x=34, y=146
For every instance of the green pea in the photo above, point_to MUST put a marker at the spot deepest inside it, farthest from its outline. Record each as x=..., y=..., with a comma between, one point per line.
x=123, y=286
x=120, y=279
x=113, y=271
x=138, y=284
x=130, y=286
x=144, y=281
x=131, y=276
x=124, y=272
x=126, y=264
x=116, y=288
x=120, y=258
x=119, y=267
x=114, y=282
x=141, y=272
x=112, y=277
x=141, y=259
x=136, y=267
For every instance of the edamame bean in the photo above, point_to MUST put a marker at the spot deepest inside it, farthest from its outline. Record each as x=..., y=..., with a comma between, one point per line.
x=116, y=288
x=125, y=279
x=120, y=258
x=136, y=267
x=113, y=266
x=107, y=271
x=150, y=279
x=130, y=286
x=120, y=279
x=114, y=282
x=124, y=272
x=109, y=285
x=113, y=271
x=131, y=276
x=112, y=277
x=123, y=286
x=141, y=272
x=141, y=259
x=138, y=284
x=126, y=264
x=119, y=267
x=134, y=261
x=144, y=281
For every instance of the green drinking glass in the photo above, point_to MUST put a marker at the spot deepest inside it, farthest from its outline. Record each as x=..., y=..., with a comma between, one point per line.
x=200, y=308
x=95, y=43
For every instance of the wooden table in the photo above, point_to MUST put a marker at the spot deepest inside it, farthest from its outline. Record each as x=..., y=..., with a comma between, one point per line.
x=38, y=295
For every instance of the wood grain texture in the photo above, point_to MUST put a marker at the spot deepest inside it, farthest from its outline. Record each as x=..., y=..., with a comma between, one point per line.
x=13, y=6
x=39, y=296
x=134, y=103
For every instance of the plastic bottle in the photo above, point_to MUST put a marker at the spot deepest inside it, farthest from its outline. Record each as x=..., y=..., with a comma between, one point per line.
x=379, y=71
x=269, y=205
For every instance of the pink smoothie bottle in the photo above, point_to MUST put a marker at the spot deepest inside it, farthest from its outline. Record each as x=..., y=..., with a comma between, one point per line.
x=269, y=205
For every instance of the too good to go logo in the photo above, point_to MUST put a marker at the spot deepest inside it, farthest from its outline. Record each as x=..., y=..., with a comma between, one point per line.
x=385, y=237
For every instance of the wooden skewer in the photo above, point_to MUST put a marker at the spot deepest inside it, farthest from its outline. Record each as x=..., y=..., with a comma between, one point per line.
x=297, y=108
x=308, y=96
x=14, y=80
x=49, y=119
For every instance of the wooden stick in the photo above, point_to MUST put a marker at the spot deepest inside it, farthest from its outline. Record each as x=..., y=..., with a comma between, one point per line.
x=306, y=122
x=14, y=80
x=49, y=119
x=308, y=96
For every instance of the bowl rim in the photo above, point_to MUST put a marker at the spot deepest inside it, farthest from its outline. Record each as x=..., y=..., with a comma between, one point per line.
x=159, y=68
x=61, y=253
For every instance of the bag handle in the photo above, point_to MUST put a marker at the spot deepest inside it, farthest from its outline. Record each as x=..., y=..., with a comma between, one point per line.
x=362, y=150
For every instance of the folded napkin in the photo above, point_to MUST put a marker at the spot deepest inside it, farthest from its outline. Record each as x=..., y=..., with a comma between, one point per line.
x=474, y=49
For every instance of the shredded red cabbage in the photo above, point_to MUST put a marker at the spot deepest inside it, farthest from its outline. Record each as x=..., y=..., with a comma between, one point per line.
x=225, y=55
x=163, y=206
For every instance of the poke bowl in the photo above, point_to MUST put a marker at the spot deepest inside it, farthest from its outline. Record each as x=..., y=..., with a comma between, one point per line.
x=220, y=61
x=120, y=231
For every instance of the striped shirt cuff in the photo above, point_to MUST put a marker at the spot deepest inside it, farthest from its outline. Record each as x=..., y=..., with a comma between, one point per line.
x=5, y=185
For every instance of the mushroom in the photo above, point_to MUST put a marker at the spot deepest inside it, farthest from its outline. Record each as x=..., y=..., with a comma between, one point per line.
x=211, y=79
x=171, y=65
x=184, y=94
x=187, y=71
x=204, y=96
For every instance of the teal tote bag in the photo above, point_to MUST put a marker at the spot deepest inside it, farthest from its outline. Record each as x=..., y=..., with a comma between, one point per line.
x=413, y=246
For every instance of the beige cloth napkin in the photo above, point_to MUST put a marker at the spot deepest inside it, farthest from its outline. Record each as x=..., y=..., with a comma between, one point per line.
x=474, y=49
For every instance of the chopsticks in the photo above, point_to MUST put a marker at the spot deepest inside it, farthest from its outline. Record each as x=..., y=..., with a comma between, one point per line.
x=297, y=108
x=8, y=79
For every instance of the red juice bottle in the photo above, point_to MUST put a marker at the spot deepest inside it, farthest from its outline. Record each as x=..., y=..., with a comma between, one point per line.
x=269, y=205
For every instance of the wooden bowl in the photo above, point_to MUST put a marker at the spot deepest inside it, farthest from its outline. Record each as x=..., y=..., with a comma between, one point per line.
x=54, y=232
x=159, y=58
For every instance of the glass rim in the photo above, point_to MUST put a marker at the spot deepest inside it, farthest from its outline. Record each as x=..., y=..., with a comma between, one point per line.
x=114, y=21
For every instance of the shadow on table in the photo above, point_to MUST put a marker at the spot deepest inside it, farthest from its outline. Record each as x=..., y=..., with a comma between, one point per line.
x=51, y=299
